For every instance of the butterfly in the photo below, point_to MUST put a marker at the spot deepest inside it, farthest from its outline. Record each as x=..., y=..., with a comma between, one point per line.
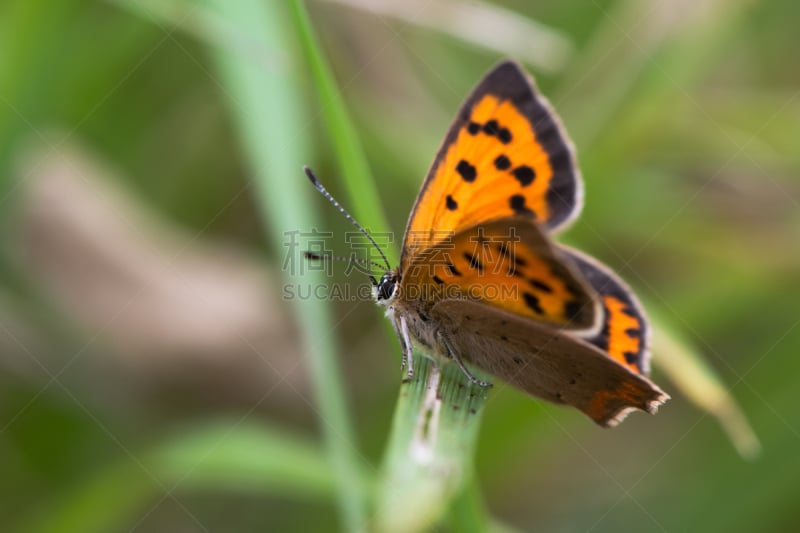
x=482, y=282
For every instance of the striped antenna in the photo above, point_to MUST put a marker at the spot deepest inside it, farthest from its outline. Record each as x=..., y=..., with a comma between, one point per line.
x=317, y=185
x=318, y=257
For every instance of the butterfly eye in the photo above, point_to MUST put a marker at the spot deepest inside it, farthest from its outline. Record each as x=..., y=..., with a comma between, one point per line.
x=386, y=287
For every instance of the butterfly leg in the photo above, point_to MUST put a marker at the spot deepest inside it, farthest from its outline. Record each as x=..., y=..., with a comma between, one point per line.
x=408, y=351
x=453, y=354
x=401, y=330
x=397, y=331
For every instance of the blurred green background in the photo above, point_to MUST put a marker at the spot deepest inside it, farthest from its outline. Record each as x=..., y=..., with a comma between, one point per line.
x=153, y=376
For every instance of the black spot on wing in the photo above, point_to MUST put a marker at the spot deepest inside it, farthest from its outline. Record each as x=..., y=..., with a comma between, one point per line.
x=631, y=358
x=467, y=171
x=491, y=127
x=541, y=285
x=517, y=203
x=503, y=248
x=533, y=303
x=518, y=260
x=506, y=252
x=451, y=204
x=634, y=333
x=474, y=262
x=502, y=162
x=524, y=175
x=453, y=270
x=438, y=280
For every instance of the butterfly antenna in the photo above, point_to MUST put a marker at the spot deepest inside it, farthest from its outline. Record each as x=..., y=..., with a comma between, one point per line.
x=317, y=185
x=318, y=257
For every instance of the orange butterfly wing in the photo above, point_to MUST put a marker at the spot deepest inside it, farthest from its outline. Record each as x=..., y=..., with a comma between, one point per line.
x=507, y=263
x=625, y=335
x=505, y=155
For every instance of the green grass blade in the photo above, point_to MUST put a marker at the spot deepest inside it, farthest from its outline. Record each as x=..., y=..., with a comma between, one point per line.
x=352, y=162
x=266, y=105
x=467, y=513
x=428, y=460
x=246, y=455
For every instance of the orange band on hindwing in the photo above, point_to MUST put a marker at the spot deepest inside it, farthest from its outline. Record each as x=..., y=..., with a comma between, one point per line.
x=624, y=336
x=625, y=331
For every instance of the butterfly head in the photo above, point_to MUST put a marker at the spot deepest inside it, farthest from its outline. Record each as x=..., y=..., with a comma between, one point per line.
x=385, y=290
